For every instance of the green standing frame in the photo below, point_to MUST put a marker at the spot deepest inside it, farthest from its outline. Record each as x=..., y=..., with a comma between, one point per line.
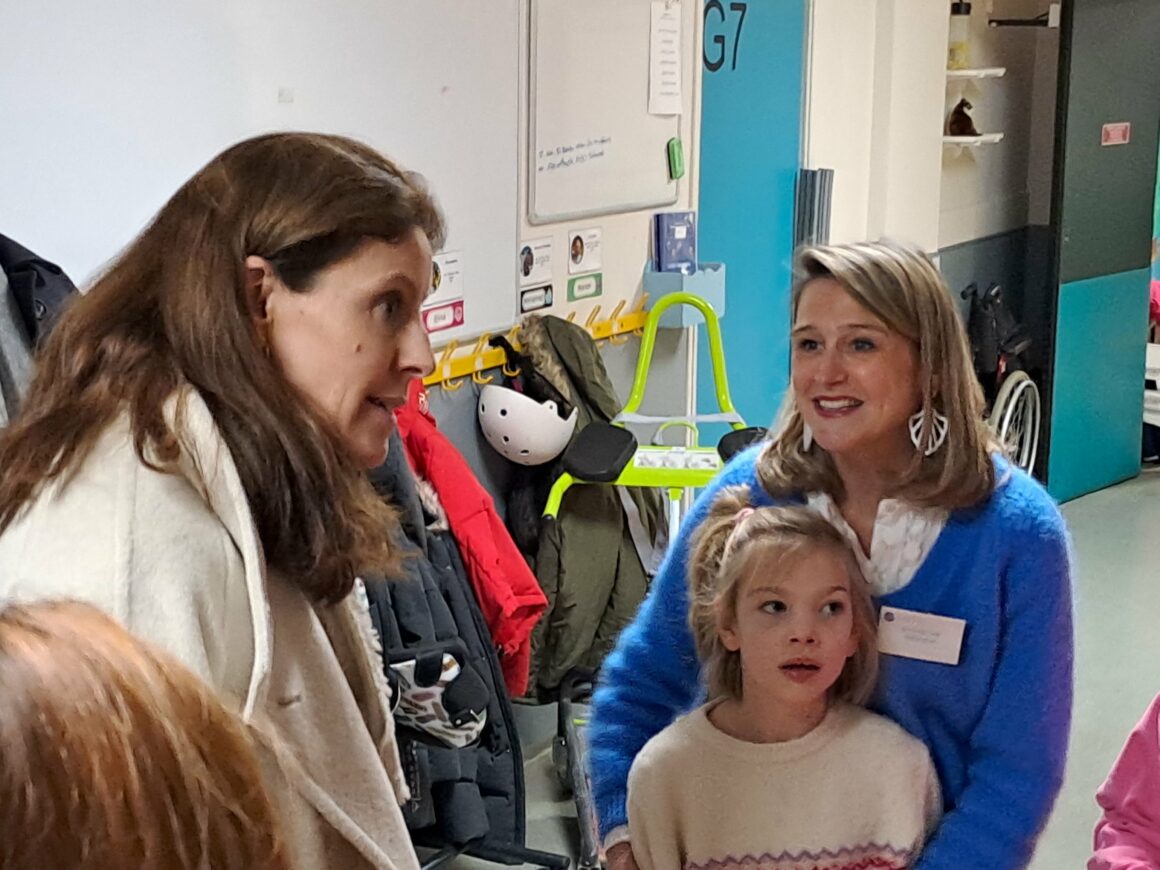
x=674, y=469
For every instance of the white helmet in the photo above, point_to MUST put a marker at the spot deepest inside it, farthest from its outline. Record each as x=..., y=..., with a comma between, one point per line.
x=525, y=431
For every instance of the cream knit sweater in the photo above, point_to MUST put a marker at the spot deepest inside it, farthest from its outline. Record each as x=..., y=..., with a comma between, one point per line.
x=855, y=793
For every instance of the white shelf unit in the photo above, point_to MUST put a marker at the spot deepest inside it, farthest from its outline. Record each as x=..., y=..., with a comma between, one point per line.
x=958, y=82
x=989, y=72
x=973, y=141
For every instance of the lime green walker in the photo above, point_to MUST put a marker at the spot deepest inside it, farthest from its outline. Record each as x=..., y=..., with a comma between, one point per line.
x=608, y=454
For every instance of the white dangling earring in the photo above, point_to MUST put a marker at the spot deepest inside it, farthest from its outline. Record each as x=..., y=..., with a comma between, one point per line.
x=807, y=437
x=940, y=426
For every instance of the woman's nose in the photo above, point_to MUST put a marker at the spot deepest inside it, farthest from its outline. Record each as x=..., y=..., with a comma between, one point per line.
x=414, y=353
x=831, y=368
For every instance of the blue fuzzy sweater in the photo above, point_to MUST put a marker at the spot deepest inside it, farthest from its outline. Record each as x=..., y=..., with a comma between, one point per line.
x=996, y=725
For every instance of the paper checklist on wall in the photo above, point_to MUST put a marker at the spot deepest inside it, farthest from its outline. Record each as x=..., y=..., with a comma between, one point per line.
x=664, y=68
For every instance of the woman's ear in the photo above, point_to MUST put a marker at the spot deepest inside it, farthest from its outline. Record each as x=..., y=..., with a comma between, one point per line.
x=261, y=282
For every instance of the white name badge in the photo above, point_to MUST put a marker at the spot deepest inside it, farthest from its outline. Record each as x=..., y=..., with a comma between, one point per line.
x=922, y=636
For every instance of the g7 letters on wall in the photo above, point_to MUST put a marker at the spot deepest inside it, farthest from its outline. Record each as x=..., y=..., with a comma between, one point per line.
x=716, y=24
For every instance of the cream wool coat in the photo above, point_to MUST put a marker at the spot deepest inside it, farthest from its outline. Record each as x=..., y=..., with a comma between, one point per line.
x=177, y=560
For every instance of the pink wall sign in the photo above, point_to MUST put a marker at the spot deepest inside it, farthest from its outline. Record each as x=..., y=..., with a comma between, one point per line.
x=444, y=316
x=1119, y=133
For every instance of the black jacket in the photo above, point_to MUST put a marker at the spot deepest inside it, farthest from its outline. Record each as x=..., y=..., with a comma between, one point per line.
x=41, y=289
x=33, y=293
x=473, y=794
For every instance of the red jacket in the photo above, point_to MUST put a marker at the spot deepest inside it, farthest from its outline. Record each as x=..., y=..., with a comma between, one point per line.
x=508, y=594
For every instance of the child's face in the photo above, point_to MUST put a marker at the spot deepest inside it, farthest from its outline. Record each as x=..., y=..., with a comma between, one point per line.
x=794, y=627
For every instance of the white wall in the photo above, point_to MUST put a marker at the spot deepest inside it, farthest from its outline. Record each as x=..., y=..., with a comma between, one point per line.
x=840, y=108
x=138, y=95
x=874, y=114
x=140, y=108
x=905, y=170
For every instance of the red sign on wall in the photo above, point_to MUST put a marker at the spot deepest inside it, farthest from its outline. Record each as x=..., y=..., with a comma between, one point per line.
x=1119, y=133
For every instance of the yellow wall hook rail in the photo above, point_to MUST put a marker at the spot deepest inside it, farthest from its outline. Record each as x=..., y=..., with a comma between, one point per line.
x=451, y=371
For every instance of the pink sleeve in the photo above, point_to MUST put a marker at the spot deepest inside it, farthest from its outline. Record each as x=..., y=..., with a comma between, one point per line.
x=1127, y=835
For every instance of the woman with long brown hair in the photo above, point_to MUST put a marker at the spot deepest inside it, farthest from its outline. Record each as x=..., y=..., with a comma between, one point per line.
x=117, y=757
x=191, y=456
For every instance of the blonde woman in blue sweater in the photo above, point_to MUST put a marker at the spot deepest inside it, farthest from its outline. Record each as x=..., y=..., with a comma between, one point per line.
x=882, y=433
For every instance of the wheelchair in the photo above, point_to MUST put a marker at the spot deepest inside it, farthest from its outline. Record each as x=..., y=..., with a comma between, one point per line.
x=998, y=345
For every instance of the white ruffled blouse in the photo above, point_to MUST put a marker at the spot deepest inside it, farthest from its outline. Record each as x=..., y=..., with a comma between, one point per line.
x=903, y=538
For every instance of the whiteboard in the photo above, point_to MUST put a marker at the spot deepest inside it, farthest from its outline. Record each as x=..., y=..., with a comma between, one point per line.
x=593, y=147
x=107, y=108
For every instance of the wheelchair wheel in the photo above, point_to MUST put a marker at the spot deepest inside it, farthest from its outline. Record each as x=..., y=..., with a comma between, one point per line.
x=1015, y=417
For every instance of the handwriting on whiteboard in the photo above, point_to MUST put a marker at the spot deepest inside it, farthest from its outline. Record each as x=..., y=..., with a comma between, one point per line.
x=579, y=153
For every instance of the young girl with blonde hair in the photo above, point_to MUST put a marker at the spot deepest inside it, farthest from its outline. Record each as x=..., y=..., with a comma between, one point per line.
x=782, y=768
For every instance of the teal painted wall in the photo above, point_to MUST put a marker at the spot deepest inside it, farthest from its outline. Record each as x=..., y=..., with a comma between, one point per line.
x=1097, y=400
x=751, y=118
